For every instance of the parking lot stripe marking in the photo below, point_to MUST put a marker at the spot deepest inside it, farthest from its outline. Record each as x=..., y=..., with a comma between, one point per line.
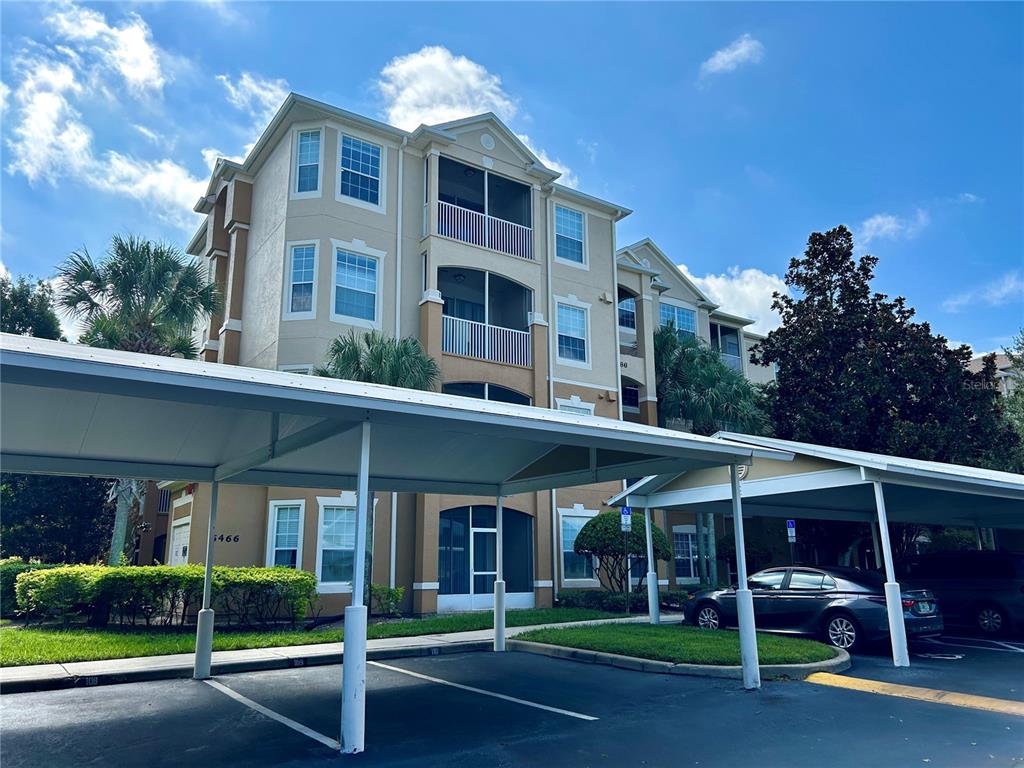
x=951, y=698
x=327, y=742
x=973, y=643
x=502, y=696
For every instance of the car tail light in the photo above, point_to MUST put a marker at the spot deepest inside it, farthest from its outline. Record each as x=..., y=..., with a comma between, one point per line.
x=908, y=603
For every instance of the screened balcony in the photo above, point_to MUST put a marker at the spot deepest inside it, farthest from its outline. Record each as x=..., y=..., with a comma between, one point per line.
x=484, y=209
x=485, y=316
x=726, y=341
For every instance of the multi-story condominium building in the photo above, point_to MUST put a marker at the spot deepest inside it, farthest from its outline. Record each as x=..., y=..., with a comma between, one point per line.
x=456, y=235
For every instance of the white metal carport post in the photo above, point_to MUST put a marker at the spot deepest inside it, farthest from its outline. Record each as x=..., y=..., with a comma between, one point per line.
x=353, y=680
x=653, y=609
x=499, y=581
x=893, y=596
x=204, y=622
x=744, y=597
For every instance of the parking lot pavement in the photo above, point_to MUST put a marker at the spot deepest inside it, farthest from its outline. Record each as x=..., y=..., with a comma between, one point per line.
x=414, y=720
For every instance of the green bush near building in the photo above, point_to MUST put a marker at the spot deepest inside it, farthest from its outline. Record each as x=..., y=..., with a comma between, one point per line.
x=10, y=567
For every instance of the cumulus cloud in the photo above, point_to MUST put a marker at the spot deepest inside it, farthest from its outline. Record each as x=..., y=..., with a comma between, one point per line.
x=743, y=50
x=969, y=198
x=433, y=85
x=256, y=96
x=886, y=226
x=745, y=292
x=997, y=293
x=4, y=271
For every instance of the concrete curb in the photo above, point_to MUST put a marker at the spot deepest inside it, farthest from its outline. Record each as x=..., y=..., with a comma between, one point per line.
x=771, y=671
x=56, y=676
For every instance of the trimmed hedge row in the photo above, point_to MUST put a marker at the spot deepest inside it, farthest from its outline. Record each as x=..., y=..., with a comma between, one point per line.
x=9, y=569
x=603, y=600
x=164, y=595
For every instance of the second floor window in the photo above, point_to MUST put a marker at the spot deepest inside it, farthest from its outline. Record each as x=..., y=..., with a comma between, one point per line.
x=360, y=170
x=683, y=318
x=303, y=267
x=569, y=235
x=572, y=333
x=307, y=162
x=355, y=286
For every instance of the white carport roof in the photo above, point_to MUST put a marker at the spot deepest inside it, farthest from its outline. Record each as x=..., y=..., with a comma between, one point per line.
x=839, y=486
x=71, y=409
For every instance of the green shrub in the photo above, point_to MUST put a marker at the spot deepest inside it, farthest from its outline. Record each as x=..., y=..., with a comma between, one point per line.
x=387, y=599
x=259, y=596
x=57, y=592
x=601, y=537
x=10, y=567
x=602, y=600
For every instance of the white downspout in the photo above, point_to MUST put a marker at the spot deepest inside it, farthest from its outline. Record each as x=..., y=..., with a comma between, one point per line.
x=399, y=209
x=550, y=239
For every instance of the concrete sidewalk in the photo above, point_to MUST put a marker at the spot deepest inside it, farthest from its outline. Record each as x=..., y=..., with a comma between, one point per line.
x=43, y=677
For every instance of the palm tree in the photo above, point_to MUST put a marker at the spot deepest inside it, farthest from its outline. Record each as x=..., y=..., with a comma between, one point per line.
x=377, y=359
x=140, y=297
x=694, y=384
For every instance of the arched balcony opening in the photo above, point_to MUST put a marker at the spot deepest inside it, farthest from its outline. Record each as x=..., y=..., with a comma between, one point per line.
x=485, y=316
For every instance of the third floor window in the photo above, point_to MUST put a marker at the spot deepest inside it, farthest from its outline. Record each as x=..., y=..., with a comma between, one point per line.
x=307, y=162
x=683, y=319
x=569, y=242
x=360, y=170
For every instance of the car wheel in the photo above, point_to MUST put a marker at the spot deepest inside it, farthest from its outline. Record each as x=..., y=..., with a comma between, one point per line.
x=990, y=619
x=842, y=631
x=708, y=617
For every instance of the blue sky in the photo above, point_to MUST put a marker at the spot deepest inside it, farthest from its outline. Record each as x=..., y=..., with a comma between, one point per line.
x=732, y=130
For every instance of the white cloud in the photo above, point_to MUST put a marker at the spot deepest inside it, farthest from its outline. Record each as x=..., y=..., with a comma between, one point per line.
x=969, y=198
x=259, y=97
x=743, y=50
x=745, y=292
x=997, y=293
x=4, y=271
x=589, y=149
x=433, y=86
x=885, y=226
x=149, y=134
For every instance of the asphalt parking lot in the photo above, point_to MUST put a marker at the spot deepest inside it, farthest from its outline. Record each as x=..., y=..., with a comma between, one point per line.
x=515, y=709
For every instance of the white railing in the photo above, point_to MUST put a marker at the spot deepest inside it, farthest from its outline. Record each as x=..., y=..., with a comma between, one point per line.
x=486, y=231
x=732, y=361
x=485, y=342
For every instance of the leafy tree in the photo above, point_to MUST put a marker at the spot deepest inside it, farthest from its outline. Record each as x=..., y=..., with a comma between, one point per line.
x=1014, y=401
x=377, y=359
x=694, y=384
x=602, y=537
x=27, y=309
x=144, y=297
x=54, y=519
x=855, y=370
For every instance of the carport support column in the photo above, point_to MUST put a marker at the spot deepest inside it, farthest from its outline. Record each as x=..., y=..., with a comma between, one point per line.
x=744, y=597
x=499, y=582
x=204, y=622
x=653, y=609
x=353, y=681
x=893, y=596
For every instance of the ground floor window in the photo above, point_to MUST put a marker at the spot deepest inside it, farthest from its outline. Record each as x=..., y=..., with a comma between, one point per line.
x=574, y=567
x=684, y=551
x=336, y=544
x=467, y=551
x=284, y=534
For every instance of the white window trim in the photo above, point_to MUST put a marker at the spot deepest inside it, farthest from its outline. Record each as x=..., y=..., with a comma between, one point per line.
x=630, y=408
x=574, y=402
x=294, y=184
x=272, y=527
x=346, y=499
x=382, y=204
x=682, y=305
x=287, y=299
x=577, y=510
x=572, y=301
x=585, y=265
x=681, y=579
x=300, y=368
x=357, y=246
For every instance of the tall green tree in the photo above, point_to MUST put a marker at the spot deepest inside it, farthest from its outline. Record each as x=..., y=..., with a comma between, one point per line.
x=856, y=370
x=26, y=308
x=694, y=384
x=1014, y=400
x=377, y=359
x=141, y=296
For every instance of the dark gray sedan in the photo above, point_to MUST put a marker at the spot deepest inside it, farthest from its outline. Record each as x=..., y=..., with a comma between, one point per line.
x=845, y=607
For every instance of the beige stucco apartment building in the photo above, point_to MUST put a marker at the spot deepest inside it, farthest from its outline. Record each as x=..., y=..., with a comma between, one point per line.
x=456, y=235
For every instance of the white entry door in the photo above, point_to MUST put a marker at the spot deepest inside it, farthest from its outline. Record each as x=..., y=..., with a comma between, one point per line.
x=179, y=542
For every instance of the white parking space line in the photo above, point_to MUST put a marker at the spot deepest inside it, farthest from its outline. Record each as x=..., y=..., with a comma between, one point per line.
x=976, y=644
x=471, y=689
x=287, y=721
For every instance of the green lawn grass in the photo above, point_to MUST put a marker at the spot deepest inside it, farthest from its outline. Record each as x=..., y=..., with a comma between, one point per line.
x=680, y=644
x=35, y=645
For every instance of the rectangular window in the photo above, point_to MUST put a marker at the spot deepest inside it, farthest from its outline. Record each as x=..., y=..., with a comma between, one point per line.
x=360, y=170
x=285, y=530
x=630, y=397
x=684, y=319
x=337, y=544
x=569, y=235
x=684, y=550
x=574, y=566
x=355, y=286
x=572, y=333
x=627, y=313
x=307, y=161
x=303, y=269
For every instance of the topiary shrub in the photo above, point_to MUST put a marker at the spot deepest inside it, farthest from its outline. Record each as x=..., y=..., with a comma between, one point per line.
x=602, y=538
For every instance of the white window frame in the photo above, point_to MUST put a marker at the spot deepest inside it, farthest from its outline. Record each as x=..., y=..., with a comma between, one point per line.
x=272, y=529
x=630, y=408
x=300, y=368
x=381, y=206
x=690, y=529
x=362, y=249
x=577, y=510
x=572, y=301
x=287, y=298
x=585, y=264
x=347, y=499
x=574, y=405
x=680, y=304
x=294, y=184
x=623, y=330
